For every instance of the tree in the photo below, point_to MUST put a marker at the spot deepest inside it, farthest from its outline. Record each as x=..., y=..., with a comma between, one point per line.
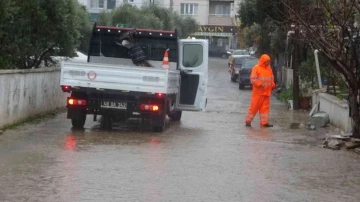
x=149, y=17
x=253, y=35
x=105, y=18
x=31, y=30
x=85, y=29
x=134, y=17
x=260, y=18
x=331, y=27
x=185, y=25
x=7, y=15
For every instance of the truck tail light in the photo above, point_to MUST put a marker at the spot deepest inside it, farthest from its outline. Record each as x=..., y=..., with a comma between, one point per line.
x=76, y=102
x=66, y=88
x=149, y=107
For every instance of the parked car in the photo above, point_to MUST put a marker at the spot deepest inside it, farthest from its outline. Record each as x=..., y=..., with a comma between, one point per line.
x=218, y=51
x=236, y=65
x=245, y=71
x=241, y=52
x=238, y=53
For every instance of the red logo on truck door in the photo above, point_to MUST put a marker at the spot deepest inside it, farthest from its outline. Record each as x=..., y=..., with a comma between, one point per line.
x=91, y=75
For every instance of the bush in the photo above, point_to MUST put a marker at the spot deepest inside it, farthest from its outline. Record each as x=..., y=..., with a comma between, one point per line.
x=85, y=30
x=149, y=17
x=286, y=95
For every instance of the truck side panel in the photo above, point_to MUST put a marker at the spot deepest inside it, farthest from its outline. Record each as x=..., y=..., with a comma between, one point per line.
x=119, y=77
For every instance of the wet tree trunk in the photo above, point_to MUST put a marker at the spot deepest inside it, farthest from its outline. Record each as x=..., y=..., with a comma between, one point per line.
x=354, y=99
x=354, y=112
x=333, y=77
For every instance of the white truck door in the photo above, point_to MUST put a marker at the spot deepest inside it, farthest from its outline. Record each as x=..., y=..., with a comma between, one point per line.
x=193, y=60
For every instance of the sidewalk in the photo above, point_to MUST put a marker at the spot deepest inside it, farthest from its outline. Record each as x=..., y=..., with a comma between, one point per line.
x=290, y=126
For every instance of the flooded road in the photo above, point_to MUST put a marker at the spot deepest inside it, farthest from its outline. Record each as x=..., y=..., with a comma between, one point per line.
x=208, y=156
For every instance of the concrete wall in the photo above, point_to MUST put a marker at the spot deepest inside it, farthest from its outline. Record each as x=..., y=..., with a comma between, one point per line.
x=25, y=93
x=286, y=77
x=87, y=3
x=337, y=109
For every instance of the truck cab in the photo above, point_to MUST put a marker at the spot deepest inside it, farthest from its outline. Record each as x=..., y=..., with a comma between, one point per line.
x=111, y=85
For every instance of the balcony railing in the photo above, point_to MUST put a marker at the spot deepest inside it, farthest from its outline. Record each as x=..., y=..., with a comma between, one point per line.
x=221, y=15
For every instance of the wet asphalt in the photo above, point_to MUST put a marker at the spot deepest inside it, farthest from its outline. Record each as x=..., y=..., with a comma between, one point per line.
x=208, y=156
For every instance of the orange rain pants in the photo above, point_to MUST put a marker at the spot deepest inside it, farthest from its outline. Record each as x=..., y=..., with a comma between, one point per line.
x=259, y=103
x=262, y=80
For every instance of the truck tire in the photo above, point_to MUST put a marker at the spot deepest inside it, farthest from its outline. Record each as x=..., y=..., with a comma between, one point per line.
x=78, y=122
x=175, y=115
x=106, y=122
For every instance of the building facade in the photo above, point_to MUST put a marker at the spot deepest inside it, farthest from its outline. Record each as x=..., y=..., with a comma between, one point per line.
x=217, y=19
x=96, y=6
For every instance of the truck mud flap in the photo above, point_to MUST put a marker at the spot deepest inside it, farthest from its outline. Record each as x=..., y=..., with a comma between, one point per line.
x=75, y=112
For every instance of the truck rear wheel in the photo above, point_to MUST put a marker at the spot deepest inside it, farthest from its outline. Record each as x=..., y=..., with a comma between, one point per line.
x=78, y=122
x=175, y=115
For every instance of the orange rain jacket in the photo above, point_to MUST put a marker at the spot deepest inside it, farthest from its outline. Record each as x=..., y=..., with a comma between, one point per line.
x=262, y=77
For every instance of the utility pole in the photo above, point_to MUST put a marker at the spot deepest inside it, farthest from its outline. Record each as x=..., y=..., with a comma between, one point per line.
x=295, y=65
x=296, y=62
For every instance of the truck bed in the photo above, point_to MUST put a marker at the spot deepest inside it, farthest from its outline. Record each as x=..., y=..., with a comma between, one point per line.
x=119, y=77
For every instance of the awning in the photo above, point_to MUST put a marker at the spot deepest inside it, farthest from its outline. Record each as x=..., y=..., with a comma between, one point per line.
x=213, y=34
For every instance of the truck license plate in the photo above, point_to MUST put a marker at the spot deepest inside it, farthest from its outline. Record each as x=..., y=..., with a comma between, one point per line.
x=113, y=105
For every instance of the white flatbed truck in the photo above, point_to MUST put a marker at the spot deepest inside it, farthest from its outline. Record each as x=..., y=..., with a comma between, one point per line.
x=110, y=85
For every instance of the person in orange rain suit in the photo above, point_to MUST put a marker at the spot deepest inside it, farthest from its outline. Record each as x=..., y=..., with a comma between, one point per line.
x=262, y=80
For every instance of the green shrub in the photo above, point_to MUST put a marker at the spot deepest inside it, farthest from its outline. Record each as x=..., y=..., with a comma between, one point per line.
x=286, y=95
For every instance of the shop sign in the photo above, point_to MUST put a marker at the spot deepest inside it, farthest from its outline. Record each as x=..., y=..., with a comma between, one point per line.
x=215, y=28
